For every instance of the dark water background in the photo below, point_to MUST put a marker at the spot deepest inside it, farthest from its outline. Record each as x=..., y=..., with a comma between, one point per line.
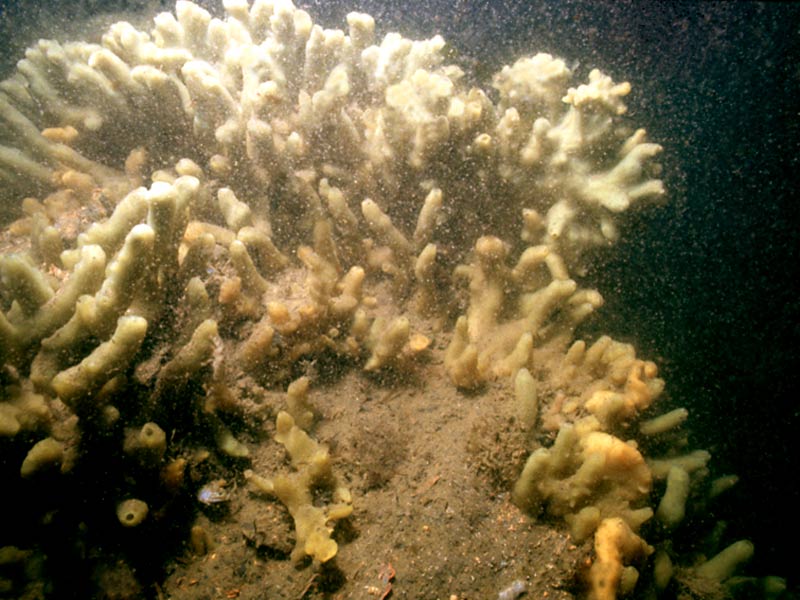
x=707, y=286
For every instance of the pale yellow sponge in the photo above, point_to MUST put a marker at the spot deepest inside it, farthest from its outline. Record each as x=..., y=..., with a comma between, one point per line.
x=615, y=545
x=641, y=388
x=510, y=307
x=312, y=463
x=587, y=475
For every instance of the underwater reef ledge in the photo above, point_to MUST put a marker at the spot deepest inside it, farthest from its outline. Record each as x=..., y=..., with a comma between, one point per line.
x=302, y=300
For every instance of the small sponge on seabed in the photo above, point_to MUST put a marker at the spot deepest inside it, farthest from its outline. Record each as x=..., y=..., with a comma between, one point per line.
x=132, y=512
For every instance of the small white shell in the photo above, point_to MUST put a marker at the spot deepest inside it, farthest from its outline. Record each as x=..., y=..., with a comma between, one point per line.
x=514, y=591
x=213, y=493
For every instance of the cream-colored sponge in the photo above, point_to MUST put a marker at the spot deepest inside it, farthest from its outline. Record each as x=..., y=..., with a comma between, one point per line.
x=312, y=463
x=585, y=469
x=615, y=545
x=78, y=383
